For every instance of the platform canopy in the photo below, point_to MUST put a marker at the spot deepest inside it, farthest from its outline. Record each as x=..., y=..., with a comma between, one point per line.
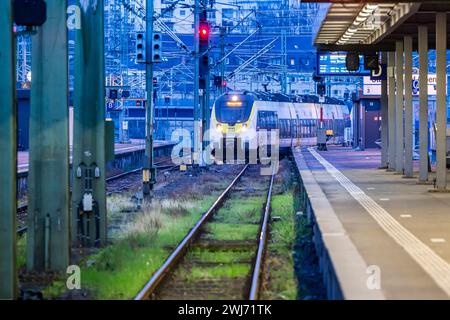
x=375, y=26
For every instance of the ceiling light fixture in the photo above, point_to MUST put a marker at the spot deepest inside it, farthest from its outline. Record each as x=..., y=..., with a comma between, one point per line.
x=363, y=15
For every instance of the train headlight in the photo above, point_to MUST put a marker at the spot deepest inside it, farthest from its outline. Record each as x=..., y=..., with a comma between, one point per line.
x=234, y=98
x=219, y=127
x=244, y=127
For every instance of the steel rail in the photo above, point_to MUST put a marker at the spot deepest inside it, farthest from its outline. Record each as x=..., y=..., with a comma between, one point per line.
x=181, y=249
x=257, y=271
x=24, y=207
x=124, y=174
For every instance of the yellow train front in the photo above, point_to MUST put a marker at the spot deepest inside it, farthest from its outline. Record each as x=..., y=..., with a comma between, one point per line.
x=233, y=126
x=247, y=125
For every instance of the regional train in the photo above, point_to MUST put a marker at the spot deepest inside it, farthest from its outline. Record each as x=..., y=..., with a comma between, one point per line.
x=239, y=117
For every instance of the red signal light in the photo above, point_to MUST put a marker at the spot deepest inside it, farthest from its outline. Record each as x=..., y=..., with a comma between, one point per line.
x=204, y=32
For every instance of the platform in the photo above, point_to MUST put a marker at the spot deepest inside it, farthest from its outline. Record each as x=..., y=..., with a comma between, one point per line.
x=394, y=223
x=134, y=145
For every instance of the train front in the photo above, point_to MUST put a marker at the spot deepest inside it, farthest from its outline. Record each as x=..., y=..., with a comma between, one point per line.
x=233, y=126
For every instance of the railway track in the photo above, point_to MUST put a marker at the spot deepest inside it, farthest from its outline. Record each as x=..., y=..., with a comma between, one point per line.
x=213, y=264
x=161, y=166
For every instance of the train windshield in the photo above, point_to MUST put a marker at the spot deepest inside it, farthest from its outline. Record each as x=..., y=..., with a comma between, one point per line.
x=233, y=109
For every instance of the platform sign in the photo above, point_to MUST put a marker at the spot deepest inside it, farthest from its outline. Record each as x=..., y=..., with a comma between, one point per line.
x=111, y=106
x=373, y=87
x=380, y=74
x=333, y=64
x=431, y=84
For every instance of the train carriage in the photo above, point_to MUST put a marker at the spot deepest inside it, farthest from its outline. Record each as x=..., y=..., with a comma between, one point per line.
x=245, y=119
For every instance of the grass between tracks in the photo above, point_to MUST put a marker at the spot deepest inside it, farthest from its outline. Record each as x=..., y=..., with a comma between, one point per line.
x=120, y=270
x=234, y=270
x=281, y=283
x=237, y=220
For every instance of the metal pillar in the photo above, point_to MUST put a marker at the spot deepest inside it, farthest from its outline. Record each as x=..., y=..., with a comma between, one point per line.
x=8, y=159
x=391, y=111
x=284, y=78
x=408, y=108
x=149, y=172
x=222, y=54
x=399, y=156
x=283, y=62
x=423, y=97
x=48, y=242
x=89, y=188
x=384, y=118
x=196, y=155
x=441, y=101
x=206, y=116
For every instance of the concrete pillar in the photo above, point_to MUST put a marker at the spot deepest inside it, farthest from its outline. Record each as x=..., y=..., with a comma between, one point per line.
x=441, y=101
x=391, y=111
x=423, y=108
x=89, y=163
x=399, y=142
x=384, y=118
x=408, y=108
x=8, y=159
x=48, y=180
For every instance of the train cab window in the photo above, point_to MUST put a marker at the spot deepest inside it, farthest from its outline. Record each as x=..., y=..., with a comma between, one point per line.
x=232, y=112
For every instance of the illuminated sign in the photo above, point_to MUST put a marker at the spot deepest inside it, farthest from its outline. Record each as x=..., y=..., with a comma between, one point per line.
x=333, y=64
x=373, y=87
x=234, y=103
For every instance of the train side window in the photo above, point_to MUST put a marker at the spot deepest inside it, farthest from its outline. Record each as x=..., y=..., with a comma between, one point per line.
x=261, y=122
x=294, y=128
x=284, y=128
x=267, y=120
x=274, y=120
x=303, y=126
